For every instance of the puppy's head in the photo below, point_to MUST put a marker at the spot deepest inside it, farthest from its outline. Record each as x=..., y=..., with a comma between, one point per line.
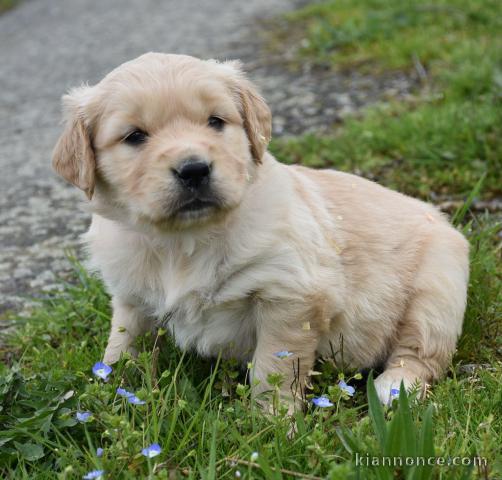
x=165, y=140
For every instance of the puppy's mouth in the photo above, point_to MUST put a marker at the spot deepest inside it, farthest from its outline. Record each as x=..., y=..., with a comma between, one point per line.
x=195, y=208
x=191, y=210
x=197, y=205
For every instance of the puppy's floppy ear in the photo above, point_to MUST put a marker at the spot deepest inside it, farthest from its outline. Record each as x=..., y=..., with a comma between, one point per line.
x=255, y=112
x=73, y=156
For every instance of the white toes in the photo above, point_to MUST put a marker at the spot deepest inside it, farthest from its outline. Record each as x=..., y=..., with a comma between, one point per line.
x=388, y=384
x=112, y=355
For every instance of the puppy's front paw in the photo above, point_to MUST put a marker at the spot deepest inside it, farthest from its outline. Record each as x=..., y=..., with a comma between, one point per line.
x=112, y=355
x=388, y=383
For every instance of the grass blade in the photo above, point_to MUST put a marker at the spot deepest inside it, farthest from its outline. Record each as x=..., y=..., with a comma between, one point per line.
x=461, y=211
x=375, y=411
x=211, y=469
x=426, y=444
x=408, y=425
x=348, y=440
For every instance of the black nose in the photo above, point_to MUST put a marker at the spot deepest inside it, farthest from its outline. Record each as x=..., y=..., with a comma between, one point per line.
x=193, y=172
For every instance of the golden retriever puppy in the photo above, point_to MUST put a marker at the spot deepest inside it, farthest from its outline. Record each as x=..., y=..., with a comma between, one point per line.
x=198, y=228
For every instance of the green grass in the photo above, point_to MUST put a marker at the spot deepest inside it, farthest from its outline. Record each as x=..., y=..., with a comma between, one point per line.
x=431, y=151
x=387, y=34
x=440, y=144
x=443, y=140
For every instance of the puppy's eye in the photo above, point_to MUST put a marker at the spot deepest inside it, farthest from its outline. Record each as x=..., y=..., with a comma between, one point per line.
x=136, y=137
x=216, y=122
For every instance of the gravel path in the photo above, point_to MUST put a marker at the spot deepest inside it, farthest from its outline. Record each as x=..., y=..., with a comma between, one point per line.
x=48, y=46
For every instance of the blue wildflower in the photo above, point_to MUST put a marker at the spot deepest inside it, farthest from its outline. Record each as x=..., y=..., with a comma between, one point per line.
x=135, y=400
x=322, y=402
x=151, y=451
x=95, y=474
x=130, y=396
x=101, y=370
x=346, y=388
x=124, y=393
x=99, y=452
x=283, y=354
x=84, y=416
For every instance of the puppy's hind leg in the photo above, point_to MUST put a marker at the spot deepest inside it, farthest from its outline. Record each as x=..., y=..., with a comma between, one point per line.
x=427, y=336
x=127, y=325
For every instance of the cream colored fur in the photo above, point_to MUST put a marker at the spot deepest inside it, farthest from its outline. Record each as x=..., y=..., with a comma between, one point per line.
x=295, y=259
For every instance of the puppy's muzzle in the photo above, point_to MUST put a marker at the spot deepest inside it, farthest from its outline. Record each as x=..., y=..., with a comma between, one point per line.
x=194, y=176
x=193, y=173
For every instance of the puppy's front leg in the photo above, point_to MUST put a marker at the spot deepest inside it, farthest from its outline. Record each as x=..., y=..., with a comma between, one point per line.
x=127, y=324
x=287, y=338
